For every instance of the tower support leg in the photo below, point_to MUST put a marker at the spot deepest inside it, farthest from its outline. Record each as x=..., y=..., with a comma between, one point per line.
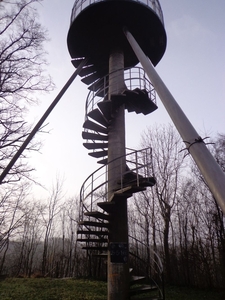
x=118, y=268
x=207, y=165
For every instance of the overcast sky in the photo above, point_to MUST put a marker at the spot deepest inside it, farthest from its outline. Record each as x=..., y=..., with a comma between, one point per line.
x=193, y=68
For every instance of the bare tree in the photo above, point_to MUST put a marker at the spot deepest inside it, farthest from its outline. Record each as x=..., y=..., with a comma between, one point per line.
x=22, y=74
x=11, y=217
x=167, y=168
x=53, y=208
x=26, y=258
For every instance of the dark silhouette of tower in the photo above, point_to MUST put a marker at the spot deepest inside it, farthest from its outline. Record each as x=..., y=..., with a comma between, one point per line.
x=97, y=35
x=106, y=40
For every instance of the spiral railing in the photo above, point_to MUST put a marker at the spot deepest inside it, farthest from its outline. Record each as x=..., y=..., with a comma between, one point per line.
x=95, y=187
x=133, y=78
x=147, y=262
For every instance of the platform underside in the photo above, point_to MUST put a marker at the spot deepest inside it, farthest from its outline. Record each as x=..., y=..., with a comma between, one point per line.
x=99, y=28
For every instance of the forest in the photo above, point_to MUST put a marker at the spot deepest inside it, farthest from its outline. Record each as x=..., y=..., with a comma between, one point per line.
x=178, y=218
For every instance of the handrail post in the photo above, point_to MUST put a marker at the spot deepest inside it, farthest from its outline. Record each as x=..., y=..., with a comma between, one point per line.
x=136, y=163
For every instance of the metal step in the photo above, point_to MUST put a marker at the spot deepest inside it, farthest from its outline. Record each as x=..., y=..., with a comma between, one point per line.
x=95, y=127
x=137, y=280
x=91, y=146
x=87, y=70
x=94, y=136
x=106, y=206
x=99, y=84
x=96, y=115
x=138, y=101
x=106, y=109
x=131, y=189
x=97, y=215
x=132, y=101
x=90, y=78
x=76, y=61
x=132, y=108
x=142, y=289
x=98, y=154
x=120, y=196
x=103, y=161
x=93, y=232
x=95, y=248
x=139, y=182
x=93, y=240
x=94, y=224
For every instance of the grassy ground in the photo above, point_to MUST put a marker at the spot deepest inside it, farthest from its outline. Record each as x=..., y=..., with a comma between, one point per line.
x=183, y=293
x=52, y=289
x=69, y=289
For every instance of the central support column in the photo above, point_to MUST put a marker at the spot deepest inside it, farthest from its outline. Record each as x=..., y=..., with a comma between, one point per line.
x=118, y=267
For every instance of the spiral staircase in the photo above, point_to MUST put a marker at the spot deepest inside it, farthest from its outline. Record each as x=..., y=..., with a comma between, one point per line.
x=95, y=208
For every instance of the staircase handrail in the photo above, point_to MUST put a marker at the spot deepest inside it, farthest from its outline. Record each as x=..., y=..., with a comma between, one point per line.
x=157, y=263
x=141, y=81
x=91, y=184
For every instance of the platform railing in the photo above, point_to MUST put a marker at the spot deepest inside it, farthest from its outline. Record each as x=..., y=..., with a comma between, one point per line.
x=80, y=5
x=133, y=78
x=95, y=187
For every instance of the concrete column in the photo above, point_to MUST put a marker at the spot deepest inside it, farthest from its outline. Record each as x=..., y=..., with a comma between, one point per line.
x=116, y=135
x=118, y=268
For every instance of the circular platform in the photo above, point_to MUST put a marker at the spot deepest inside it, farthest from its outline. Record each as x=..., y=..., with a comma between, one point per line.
x=98, y=29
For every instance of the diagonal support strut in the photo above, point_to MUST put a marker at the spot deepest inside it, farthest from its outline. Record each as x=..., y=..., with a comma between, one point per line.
x=41, y=121
x=206, y=163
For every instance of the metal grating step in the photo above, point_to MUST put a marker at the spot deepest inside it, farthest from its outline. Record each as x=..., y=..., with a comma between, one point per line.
x=97, y=85
x=96, y=115
x=99, y=154
x=97, y=215
x=93, y=240
x=131, y=189
x=95, y=248
x=87, y=70
x=95, y=145
x=94, y=136
x=137, y=280
x=76, y=61
x=94, y=224
x=138, y=101
x=90, y=78
x=93, y=232
x=107, y=206
x=95, y=127
x=106, y=109
x=103, y=161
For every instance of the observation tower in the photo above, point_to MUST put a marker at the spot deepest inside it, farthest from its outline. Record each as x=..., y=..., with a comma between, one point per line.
x=97, y=40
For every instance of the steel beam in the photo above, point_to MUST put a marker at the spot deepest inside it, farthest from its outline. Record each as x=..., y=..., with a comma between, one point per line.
x=211, y=171
x=41, y=121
